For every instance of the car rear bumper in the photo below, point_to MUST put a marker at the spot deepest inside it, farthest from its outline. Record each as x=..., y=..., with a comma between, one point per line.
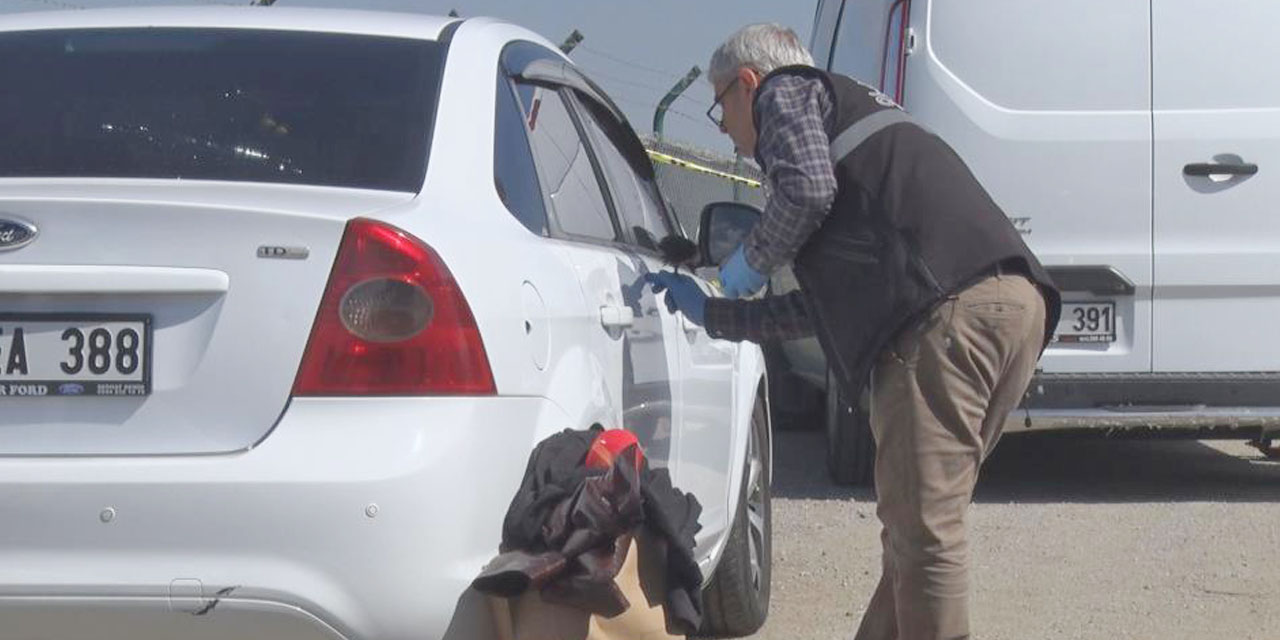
x=355, y=518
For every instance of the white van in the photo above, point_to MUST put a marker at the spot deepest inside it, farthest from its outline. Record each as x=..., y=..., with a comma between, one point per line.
x=1135, y=144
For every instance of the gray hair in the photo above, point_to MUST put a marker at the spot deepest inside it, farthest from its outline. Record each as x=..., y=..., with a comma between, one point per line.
x=763, y=47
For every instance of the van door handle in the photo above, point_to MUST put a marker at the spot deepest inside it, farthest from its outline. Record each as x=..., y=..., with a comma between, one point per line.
x=612, y=317
x=1220, y=169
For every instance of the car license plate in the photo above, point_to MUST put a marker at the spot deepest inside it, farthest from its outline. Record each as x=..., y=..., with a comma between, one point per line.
x=1085, y=322
x=69, y=355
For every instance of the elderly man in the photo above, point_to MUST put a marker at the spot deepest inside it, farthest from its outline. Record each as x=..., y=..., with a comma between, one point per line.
x=912, y=279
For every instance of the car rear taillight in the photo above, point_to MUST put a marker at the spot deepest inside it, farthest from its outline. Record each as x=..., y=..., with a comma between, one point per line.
x=392, y=322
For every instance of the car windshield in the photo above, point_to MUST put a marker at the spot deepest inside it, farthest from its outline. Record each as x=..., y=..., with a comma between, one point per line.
x=218, y=104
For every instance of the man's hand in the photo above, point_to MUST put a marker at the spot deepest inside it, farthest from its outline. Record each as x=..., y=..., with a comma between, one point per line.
x=737, y=278
x=683, y=294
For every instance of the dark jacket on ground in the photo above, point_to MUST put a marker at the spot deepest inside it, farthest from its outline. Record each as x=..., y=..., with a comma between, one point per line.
x=568, y=529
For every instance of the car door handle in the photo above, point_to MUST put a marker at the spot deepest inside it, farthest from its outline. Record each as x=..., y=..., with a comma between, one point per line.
x=612, y=317
x=1220, y=169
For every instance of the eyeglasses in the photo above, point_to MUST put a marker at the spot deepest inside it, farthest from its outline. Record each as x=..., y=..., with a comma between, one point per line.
x=716, y=111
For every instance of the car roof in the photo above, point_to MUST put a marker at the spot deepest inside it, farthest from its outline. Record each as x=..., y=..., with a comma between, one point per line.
x=375, y=23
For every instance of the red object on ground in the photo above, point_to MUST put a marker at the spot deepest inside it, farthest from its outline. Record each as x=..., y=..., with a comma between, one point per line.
x=608, y=445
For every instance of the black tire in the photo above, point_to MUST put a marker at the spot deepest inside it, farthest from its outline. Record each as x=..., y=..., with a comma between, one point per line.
x=736, y=601
x=851, y=449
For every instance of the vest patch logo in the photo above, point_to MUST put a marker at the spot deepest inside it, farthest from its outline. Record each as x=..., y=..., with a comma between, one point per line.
x=880, y=98
x=883, y=100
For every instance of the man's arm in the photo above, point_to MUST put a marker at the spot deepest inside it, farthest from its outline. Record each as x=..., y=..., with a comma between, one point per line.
x=792, y=115
x=769, y=318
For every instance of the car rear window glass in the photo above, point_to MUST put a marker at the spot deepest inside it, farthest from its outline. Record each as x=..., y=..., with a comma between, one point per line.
x=218, y=104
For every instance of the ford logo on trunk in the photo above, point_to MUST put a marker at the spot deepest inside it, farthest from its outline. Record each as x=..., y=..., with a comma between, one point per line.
x=15, y=234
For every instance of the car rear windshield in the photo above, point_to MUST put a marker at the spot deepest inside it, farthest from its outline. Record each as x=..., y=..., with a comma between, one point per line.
x=218, y=104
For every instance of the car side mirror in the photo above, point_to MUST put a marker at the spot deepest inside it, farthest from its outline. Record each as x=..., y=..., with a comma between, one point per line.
x=724, y=225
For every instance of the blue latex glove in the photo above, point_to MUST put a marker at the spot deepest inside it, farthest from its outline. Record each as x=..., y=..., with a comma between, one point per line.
x=737, y=278
x=683, y=294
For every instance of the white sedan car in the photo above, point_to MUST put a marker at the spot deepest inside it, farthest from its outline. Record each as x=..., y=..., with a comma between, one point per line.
x=288, y=296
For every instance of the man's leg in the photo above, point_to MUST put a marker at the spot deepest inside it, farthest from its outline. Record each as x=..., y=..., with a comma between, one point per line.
x=939, y=398
x=880, y=621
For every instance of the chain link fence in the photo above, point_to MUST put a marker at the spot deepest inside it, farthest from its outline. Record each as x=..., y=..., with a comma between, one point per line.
x=690, y=178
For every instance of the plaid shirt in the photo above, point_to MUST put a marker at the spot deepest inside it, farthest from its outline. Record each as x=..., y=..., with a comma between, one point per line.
x=793, y=115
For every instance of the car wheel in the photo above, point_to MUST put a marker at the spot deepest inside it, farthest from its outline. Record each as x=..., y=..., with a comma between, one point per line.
x=851, y=449
x=736, y=602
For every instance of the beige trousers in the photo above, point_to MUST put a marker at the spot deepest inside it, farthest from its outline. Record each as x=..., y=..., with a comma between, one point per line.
x=939, y=397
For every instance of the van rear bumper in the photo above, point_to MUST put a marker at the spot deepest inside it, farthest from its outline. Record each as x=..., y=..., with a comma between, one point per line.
x=1214, y=402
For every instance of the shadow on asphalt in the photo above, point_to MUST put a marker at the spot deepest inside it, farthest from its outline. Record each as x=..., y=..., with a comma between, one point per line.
x=1033, y=468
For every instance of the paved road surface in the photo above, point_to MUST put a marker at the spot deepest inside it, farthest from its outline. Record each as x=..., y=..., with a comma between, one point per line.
x=1072, y=538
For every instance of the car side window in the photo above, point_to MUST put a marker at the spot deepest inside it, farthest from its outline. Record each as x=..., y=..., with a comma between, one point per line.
x=578, y=205
x=514, y=175
x=638, y=203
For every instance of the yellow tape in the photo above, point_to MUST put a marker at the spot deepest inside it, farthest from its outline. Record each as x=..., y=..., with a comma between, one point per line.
x=685, y=164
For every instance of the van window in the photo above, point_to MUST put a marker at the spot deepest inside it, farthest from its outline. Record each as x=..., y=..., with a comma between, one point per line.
x=1079, y=55
x=218, y=104
x=859, y=39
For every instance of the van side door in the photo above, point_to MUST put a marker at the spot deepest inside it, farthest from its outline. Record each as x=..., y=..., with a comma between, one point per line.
x=1217, y=153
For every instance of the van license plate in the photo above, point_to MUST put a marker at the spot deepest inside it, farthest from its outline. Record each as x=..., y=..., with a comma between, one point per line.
x=1085, y=322
x=68, y=355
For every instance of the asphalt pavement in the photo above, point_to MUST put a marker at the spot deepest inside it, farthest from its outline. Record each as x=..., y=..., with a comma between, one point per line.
x=1072, y=538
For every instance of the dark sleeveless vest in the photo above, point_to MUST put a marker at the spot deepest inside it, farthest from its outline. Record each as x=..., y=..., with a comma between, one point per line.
x=909, y=227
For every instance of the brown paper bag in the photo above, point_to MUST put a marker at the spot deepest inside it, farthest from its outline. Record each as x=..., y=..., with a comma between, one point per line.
x=642, y=582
